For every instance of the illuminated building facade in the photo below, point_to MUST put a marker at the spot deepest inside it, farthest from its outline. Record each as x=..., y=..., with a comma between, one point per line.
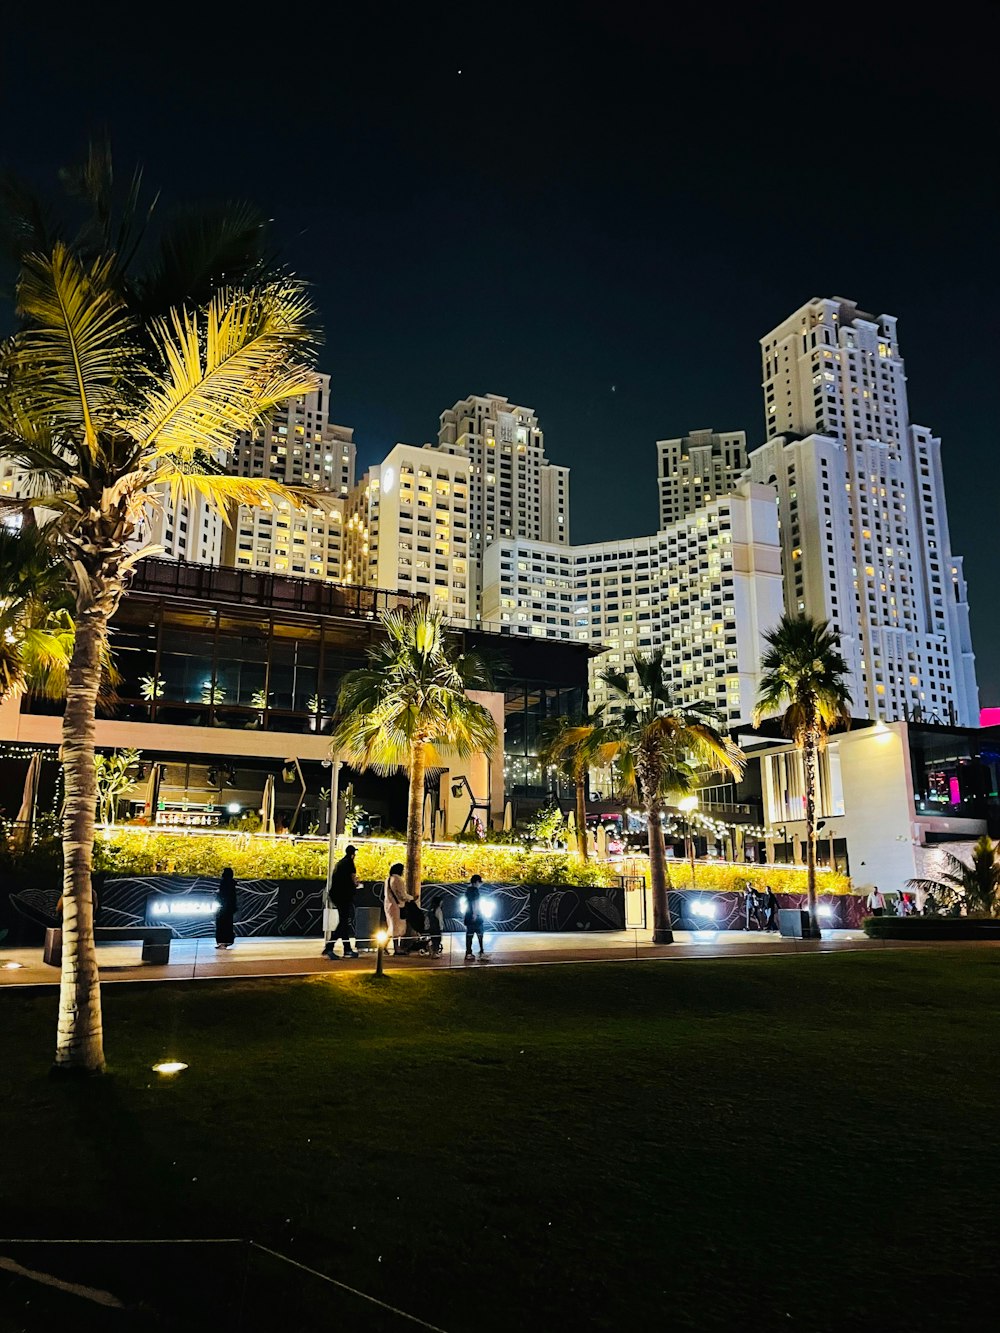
x=514, y=491
x=704, y=589
x=408, y=527
x=697, y=468
x=864, y=527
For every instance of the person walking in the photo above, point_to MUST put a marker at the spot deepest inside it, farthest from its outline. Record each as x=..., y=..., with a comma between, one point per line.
x=749, y=909
x=771, y=908
x=760, y=909
x=435, y=924
x=394, y=898
x=344, y=884
x=876, y=901
x=474, y=923
x=225, y=930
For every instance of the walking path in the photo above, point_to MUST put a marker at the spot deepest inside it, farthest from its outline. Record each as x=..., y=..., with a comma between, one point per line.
x=255, y=956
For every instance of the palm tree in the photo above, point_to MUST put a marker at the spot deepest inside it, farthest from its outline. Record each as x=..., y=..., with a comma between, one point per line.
x=122, y=383
x=660, y=748
x=803, y=678
x=573, y=746
x=975, y=887
x=413, y=694
x=36, y=628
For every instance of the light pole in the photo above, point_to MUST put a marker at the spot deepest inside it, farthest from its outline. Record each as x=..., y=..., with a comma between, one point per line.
x=783, y=830
x=688, y=805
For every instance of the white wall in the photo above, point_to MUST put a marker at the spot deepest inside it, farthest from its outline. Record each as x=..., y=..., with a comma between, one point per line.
x=884, y=836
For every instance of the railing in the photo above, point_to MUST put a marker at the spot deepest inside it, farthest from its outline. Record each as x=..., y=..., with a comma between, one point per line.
x=214, y=583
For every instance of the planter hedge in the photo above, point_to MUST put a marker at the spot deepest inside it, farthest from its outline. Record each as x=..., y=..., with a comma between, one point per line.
x=138, y=851
x=931, y=928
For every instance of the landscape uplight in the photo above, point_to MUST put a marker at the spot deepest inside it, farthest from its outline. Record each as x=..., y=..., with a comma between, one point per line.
x=381, y=940
x=10, y=966
x=169, y=1067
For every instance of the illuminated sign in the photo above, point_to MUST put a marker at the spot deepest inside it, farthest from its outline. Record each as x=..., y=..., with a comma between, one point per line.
x=187, y=905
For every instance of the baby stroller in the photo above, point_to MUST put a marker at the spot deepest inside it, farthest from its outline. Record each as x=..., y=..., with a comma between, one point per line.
x=423, y=928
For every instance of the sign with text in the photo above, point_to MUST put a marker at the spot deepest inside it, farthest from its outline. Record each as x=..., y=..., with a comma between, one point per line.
x=163, y=910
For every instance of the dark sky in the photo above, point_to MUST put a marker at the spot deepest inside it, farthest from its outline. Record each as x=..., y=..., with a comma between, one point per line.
x=591, y=210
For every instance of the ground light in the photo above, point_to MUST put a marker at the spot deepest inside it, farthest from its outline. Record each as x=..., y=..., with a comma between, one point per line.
x=381, y=940
x=169, y=1067
x=9, y=965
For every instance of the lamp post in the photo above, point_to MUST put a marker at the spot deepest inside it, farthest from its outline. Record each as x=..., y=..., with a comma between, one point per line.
x=688, y=805
x=381, y=940
x=783, y=830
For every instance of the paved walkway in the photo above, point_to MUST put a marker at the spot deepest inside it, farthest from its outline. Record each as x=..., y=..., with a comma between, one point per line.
x=275, y=957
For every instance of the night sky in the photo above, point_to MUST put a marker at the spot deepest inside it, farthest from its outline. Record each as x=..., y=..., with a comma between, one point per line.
x=593, y=212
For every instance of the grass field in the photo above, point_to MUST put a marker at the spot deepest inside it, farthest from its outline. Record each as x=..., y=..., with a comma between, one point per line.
x=804, y=1143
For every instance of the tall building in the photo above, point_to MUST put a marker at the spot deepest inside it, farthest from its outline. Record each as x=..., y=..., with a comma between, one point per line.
x=697, y=468
x=185, y=531
x=864, y=527
x=300, y=446
x=704, y=589
x=514, y=490
x=425, y=516
x=408, y=528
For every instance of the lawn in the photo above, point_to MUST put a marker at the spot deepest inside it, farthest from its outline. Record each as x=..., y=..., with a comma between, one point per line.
x=805, y=1142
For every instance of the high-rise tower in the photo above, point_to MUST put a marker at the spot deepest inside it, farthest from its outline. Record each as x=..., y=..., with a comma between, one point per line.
x=514, y=490
x=864, y=527
x=697, y=468
x=300, y=446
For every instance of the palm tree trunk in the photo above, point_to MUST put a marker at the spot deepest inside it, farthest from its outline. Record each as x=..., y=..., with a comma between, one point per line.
x=658, y=876
x=809, y=764
x=415, y=819
x=79, y=1039
x=581, y=816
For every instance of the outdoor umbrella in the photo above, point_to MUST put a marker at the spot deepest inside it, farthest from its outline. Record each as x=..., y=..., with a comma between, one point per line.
x=508, y=817
x=602, y=843
x=267, y=806
x=26, y=814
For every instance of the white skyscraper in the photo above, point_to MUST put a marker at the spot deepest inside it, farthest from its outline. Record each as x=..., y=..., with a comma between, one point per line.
x=864, y=527
x=407, y=528
x=704, y=589
x=299, y=447
x=697, y=468
x=514, y=490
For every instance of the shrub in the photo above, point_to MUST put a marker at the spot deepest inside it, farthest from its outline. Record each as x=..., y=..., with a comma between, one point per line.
x=138, y=851
x=931, y=927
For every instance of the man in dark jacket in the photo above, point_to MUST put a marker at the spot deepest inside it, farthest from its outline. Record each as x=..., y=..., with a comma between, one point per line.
x=343, y=885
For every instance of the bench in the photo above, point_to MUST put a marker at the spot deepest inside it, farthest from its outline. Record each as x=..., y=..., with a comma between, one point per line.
x=155, y=941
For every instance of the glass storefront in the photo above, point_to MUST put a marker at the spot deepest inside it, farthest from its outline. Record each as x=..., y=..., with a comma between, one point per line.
x=188, y=655
x=955, y=773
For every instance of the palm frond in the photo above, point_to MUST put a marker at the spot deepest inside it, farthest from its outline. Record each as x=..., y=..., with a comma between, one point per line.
x=201, y=249
x=412, y=692
x=803, y=678
x=222, y=492
x=26, y=223
x=70, y=357
x=224, y=368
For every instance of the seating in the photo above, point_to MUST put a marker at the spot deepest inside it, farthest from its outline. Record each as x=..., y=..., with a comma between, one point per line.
x=155, y=941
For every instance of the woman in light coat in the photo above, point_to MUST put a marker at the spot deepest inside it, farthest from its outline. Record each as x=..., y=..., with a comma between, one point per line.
x=394, y=896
